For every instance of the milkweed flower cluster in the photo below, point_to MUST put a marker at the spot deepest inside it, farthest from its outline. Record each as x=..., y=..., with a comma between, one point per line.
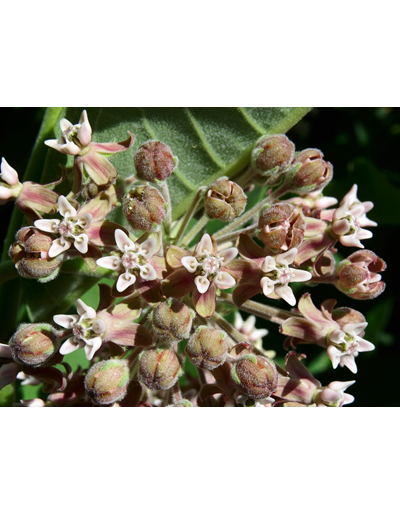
x=175, y=286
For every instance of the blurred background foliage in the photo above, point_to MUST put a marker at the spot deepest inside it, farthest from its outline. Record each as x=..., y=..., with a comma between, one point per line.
x=362, y=145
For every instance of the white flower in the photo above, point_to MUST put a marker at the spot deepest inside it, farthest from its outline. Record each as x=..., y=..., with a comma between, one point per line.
x=278, y=275
x=10, y=185
x=73, y=137
x=71, y=228
x=349, y=218
x=249, y=330
x=209, y=265
x=86, y=328
x=133, y=260
x=333, y=395
x=345, y=345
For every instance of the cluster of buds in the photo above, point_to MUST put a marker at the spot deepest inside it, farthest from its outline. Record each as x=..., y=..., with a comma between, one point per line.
x=173, y=290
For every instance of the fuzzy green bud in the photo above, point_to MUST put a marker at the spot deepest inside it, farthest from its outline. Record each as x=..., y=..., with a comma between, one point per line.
x=144, y=208
x=172, y=321
x=225, y=200
x=30, y=255
x=314, y=173
x=255, y=376
x=107, y=381
x=272, y=154
x=159, y=368
x=282, y=226
x=207, y=347
x=34, y=343
x=154, y=161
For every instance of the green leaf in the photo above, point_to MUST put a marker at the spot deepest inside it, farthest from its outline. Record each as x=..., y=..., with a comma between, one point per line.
x=7, y=396
x=209, y=142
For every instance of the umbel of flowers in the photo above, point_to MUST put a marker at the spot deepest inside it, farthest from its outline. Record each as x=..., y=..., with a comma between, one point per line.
x=176, y=287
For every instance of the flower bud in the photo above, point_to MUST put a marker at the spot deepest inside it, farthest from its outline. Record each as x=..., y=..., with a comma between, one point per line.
x=345, y=315
x=34, y=343
x=272, y=154
x=207, y=347
x=144, y=207
x=314, y=173
x=358, y=275
x=225, y=200
x=159, y=368
x=30, y=255
x=256, y=376
x=107, y=381
x=172, y=321
x=154, y=161
x=282, y=226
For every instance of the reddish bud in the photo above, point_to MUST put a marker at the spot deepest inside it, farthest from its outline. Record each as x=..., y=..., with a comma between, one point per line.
x=272, y=154
x=33, y=343
x=314, y=173
x=159, y=368
x=144, y=208
x=345, y=315
x=207, y=347
x=282, y=226
x=256, y=376
x=30, y=255
x=172, y=321
x=107, y=381
x=225, y=200
x=154, y=161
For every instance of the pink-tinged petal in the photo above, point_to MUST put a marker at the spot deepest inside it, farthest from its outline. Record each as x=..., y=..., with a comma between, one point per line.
x=71, y=345
x=110, y=262
x=224, y=280
x=239, y=323
x=92, y=345
x=341, y=386
x=287, y=257
x=368, y=206
x=309, y=311
x=248, y=271
x=355, y=327
x=147, y=248
x=298, y=371
x=269, y=264
x=341, y=211
x=48, y=225
x=123, y=241
x=85, y=131
x=349, y=362
x=125, y=311
x=267, y=286
x=334, y=354
x=111, y=148
x=337, y=336
x=99, y=207
x=124, y=281
x=351, y=240
x=178, y=284
x=258, y=333
x=249, y=325
x=300, y=328
x=351, y=196
x=147, y=272
x=244, y=292
x=299, y=275
x=327, y=307
x=98, y=167
x=66, y=320
x=8, y=174
x=35, y=402
x=101, y=233
x=59, y=246
x=84, y=310
x=365, y=346
x=81, y=243
x=69, y=148
x=330, y=396
x=347, y=398
x=325, y=202
x=205, y=246
x=286, y=294
x=202, y=284
x=131, y=334
x=65, y=124
x=314, y=227
x=84, y=220
x=341, y=226
x=99, y=326
x=228, y=255
x=205, y=303
x=65, y=208
x=5, y=351
x=249, y=248
x=5, y=194
x=313, y=246
x=190, y=263
x=159, y=265
x=364, y=234
x=174, y=256
x=38, y=198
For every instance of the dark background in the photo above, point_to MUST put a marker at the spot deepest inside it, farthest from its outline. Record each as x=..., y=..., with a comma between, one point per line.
x=362, y=144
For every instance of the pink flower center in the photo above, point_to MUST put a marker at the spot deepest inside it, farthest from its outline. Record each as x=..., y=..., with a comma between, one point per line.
x=66, y=228
x=211, y=265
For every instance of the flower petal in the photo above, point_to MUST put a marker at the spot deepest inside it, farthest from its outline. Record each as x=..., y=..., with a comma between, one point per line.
x=66, y=320
x=69, y=148
x=59, y=246
x=123, y=241
x=8, y=174
x=111, y=262
x=287, y=257
x=269, y=264
x=300, y=275
x=174, y=256
x=84, y=310
x=85, y=131
x=202, y=284
x=224, y=280
x=147, y=247
x=205, y=303
x=48, y=225
x=71, y=345
x=243, y=292
x=92, y=345
x=205, y=246
x=124, y=281
x=190, y=263
x=334, y=354
x=228, y=255
x=178, y=284
x=81, y=243
x=5, y=193
x=286, y=294
x=65, y=124
x=267, y=285
x=65, y=208
x=349, y=362
x=147, y=272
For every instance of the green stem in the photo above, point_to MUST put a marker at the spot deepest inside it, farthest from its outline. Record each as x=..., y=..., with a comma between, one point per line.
x=190, y=213
x=7, y=271
x=225, y=325
x=167, y=198
x=78, y=267
x=202, y=222
x=231, y=236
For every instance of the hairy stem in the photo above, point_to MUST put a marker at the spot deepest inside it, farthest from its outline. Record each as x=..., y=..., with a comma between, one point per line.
x=231, y=236
x=188, y=216
x=202, y=222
